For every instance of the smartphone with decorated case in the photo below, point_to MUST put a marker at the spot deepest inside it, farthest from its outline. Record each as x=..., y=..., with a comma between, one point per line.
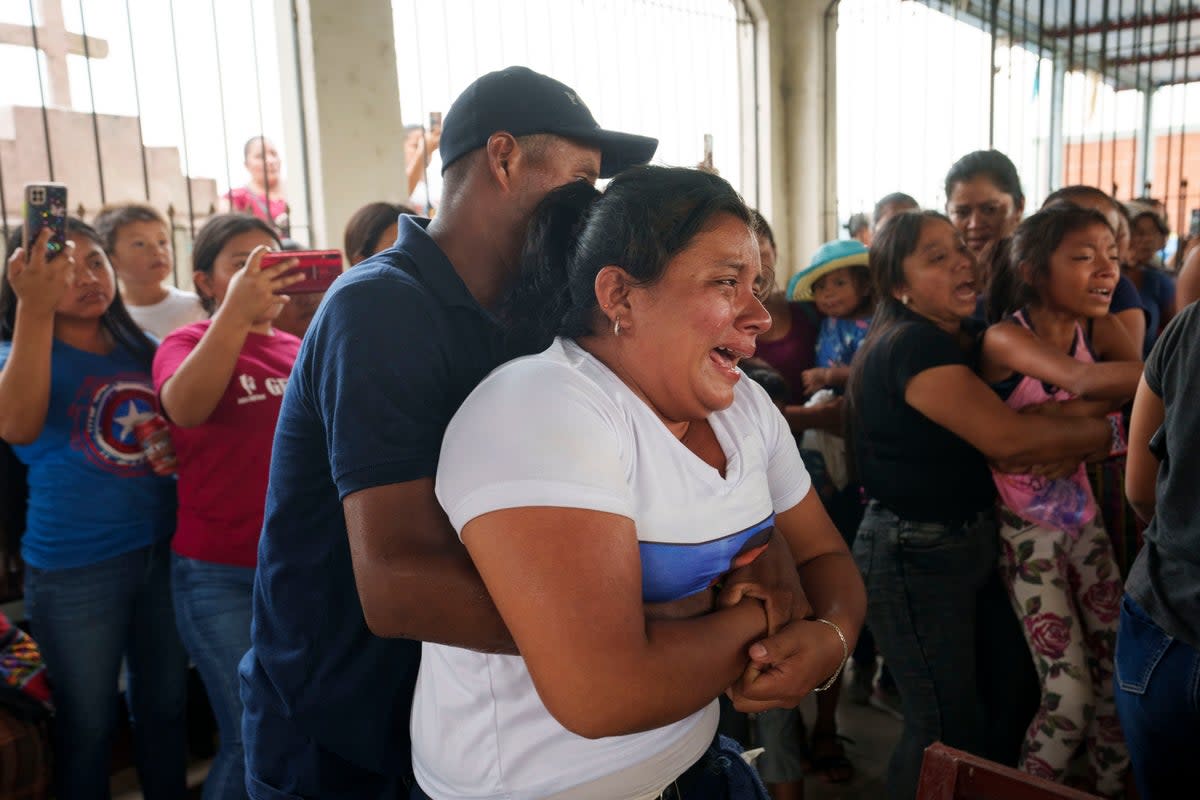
x=45, y=207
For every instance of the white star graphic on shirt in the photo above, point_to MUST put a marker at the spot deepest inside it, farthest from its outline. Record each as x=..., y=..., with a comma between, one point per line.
x=132, y=417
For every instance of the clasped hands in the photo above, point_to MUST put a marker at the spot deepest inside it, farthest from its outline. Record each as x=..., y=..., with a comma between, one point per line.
x=798, y=653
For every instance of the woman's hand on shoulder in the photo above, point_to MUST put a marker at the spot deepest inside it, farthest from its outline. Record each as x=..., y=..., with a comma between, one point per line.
x=38, y=279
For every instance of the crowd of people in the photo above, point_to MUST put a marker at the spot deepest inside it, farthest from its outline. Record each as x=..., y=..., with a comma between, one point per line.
x=562, y=492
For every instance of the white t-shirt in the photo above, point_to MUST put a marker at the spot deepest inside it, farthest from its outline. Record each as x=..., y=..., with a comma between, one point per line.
x=177, y=309
x=560, y=429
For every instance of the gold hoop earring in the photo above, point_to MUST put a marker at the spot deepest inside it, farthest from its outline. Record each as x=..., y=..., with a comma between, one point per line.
x=617, y=326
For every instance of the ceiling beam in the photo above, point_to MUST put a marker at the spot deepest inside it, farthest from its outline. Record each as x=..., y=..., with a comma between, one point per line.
x=1148, y=58
x=1122, y=25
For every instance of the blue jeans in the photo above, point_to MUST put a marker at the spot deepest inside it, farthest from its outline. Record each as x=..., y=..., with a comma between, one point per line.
x=922, y=584
x=212, y=604
x=1158, y=703
x=85, y=620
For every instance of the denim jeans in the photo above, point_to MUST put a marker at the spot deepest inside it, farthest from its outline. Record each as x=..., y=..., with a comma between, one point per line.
x=922, y=583
x=1158, y=703
x=85, y=620
x=212, y=604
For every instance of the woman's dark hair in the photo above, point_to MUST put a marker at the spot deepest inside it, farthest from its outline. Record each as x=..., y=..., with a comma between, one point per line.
x=992, y=164
x=893, y=199
x=1160, y=224
x=997, y=280
x=1069, y=194
x=762, y=228
x=857, y=223
x=253, y=140
x=366, y=226
x=116, y=320
x=1033, y=243
x=212, y=238
x=645, y=217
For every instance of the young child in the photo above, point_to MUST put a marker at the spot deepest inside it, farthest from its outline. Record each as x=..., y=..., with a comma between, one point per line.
x=74, y=385
x=138, y=243
x=1056, y=557
x=838, y=281
x=221, y=385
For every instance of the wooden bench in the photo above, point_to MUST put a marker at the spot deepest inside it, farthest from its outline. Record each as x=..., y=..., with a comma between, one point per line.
x=949, y=774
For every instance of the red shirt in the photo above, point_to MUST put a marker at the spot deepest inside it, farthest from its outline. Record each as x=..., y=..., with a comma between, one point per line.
x=223, y=464
x=245, y=201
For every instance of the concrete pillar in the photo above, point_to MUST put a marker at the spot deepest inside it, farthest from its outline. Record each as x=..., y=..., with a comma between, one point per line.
x=1145, y=155
x=345, y=120
x=1055, y=175
x=802, y=155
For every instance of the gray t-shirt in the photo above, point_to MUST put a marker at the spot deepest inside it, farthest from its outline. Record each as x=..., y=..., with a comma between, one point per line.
x=1165, y=578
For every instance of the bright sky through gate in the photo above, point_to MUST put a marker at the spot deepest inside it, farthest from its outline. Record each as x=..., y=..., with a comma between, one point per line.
x=669, y=72
x=158, y=81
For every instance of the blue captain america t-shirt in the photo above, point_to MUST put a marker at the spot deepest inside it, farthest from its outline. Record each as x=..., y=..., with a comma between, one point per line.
x=560, y=429
x=92, y=495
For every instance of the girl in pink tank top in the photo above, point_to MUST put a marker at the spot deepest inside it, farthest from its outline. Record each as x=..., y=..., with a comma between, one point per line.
x=1056, y=556
x=1063, y=503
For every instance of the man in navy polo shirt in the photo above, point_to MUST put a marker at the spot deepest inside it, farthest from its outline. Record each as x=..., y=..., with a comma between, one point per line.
x=358, y=564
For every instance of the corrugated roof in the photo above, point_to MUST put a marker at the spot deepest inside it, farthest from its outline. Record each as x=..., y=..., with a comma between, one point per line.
x=1130, y=44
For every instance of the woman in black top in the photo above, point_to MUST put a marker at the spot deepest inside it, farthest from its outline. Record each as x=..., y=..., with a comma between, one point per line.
x=924, y=428
x=1158, y=638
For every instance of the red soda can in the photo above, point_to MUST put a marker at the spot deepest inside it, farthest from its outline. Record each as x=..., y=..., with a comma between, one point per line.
x=154, y=437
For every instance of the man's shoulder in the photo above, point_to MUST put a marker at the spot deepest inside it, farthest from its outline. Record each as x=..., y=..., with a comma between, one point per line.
x=386, y=283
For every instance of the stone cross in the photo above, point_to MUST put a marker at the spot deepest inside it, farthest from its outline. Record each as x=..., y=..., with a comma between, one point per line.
x=57, y=43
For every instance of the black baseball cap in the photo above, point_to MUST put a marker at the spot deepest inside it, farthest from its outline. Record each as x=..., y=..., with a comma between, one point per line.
x=524, y=102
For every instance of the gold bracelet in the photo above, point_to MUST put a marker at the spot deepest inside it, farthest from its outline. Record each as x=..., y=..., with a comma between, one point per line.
x=845, y=655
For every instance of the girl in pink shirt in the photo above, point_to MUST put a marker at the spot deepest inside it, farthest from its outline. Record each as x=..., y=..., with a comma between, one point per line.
x=1056, y=556
x=220, y=383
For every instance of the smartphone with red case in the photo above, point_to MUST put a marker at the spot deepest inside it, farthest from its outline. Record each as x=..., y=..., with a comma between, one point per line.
x=319, y=267
x=45, y=207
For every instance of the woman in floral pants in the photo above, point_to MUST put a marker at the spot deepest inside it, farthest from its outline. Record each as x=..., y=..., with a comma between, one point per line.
x=1067, y=592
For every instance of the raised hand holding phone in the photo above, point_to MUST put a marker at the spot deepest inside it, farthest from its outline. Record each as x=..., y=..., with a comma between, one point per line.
x=256, y=293
x=45, y=207
x=40, y=277
x=318, y=268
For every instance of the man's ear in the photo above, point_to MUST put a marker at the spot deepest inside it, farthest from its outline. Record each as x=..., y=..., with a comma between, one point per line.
x=502, y=148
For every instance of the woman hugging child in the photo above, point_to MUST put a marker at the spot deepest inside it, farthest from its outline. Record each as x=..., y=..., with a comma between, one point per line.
x=1055, y=555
